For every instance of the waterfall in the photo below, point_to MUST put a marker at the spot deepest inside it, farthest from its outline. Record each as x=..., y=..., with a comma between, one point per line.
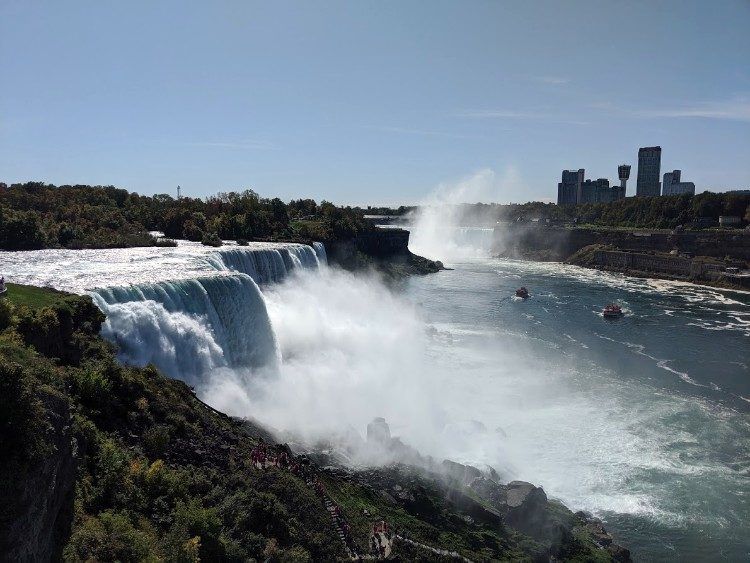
x=269, y=264
x=320, y=251
x=189, y=327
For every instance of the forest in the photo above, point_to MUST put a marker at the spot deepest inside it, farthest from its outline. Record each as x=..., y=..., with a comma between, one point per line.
x=36, y=215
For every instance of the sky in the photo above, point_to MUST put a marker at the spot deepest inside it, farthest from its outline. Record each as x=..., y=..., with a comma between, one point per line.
x=371, y=102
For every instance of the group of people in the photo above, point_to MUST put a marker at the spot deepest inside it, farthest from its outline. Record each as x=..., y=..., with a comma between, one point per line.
x=263, y=456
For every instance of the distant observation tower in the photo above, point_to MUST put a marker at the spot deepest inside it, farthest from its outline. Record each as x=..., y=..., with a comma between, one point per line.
x=623, y=171
x=178, y=192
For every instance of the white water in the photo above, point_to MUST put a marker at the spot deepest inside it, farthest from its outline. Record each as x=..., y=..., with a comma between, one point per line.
x=190, y=327
x=79, y=271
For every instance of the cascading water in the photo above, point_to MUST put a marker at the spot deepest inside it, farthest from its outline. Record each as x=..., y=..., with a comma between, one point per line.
x=320, y=252
x=189, y=327
x=268, y=265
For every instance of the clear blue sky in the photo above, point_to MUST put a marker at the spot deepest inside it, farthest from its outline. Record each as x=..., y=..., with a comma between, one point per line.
x=371, y=102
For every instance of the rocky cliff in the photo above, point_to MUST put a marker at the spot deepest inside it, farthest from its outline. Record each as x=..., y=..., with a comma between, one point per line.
x=37, y=510
x=383, y=250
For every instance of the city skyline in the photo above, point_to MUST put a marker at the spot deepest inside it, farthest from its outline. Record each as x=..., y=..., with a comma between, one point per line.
x=370, y=103
x=574, y=188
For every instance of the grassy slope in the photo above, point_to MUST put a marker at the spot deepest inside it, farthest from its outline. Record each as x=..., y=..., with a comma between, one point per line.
x=31, y=296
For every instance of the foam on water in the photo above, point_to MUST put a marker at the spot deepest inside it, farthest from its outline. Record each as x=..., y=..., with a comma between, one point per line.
x=189, y=327
x=80, y=271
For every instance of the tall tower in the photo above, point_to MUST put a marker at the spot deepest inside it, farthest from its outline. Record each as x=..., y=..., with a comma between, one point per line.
x=178, y=192
x=649, y=165
x=623, y=171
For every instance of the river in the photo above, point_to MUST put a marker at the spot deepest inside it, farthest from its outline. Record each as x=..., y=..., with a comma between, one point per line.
x=642, y=421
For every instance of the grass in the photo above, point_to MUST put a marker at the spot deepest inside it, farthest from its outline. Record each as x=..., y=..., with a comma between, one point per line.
x=32, y=296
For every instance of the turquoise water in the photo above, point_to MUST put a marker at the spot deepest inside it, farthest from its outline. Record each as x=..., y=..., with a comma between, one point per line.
x=641, y=420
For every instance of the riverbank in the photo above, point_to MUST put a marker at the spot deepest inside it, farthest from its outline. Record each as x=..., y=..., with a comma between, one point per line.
x=715, y=257
x=701, y=270
x=103, y=461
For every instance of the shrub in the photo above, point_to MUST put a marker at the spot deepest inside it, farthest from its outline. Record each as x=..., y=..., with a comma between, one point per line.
x=93, y=387
x=6, y=314
x=111, y=466
x=191, y=520
x=22, y=417
x=111, y=536
x=156, y=440
x=211, y=239
x=244, y=242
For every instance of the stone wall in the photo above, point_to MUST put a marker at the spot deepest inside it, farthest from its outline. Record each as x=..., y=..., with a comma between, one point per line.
x=680, y=267
x=675, y=265
x=559, y=243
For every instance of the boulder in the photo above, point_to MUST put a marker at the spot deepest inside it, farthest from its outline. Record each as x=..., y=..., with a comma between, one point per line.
x=378, y=432
x=527, y=508
x=464, y=474
x=523, y=505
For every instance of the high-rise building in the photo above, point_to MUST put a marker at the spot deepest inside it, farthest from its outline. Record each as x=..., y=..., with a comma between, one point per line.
x=669, y=177
x=599, y=191
x=649, y=164
x=623, y=172
x=673, y=186
x=569, y=190
x=574, y=189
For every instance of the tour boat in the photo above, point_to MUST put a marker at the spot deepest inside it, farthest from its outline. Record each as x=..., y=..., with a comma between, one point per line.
x=522, y=292
x=612, y=311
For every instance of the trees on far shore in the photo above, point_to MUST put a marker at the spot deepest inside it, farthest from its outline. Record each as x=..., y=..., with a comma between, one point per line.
x=37, y=215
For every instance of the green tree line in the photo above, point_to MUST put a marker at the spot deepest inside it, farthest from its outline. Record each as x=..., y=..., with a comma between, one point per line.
x=666, y=212
x=36, y=215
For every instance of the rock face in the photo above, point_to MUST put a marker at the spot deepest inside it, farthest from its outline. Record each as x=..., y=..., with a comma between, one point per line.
x=523, y=505
x=383, y=242
x=37, y=511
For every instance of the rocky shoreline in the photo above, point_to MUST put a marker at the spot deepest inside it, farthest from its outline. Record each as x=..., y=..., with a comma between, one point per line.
x=700, y=270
